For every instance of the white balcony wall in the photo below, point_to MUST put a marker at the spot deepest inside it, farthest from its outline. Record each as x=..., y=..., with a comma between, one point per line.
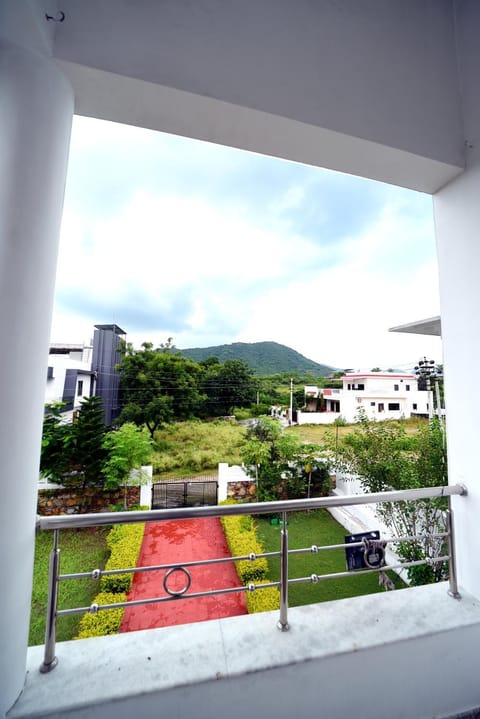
x=457, y=220
x=407, y=654
x=36, y=111
x=387, y=90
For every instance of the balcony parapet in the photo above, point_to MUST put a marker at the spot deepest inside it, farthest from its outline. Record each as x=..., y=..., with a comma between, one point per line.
x=409, y=653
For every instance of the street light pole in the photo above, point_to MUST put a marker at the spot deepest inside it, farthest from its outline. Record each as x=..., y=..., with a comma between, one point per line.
x=425, y=370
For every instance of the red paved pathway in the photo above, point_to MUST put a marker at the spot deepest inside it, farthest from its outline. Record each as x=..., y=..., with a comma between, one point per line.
x=178, y=541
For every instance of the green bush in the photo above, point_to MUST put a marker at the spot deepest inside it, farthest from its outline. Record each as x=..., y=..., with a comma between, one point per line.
x=102, y=623
x=263, y=600
x=124, y=541
x=242, y=540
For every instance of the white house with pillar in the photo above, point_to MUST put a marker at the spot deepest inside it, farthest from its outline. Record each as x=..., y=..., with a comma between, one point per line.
x=384, y=89
x=378, y=395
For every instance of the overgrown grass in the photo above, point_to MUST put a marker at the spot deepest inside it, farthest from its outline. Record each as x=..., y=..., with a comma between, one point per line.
x=196, y=447
x=305, y=529
x=81, y=550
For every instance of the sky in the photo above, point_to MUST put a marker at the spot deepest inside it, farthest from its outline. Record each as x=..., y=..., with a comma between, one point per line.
x=171, y=237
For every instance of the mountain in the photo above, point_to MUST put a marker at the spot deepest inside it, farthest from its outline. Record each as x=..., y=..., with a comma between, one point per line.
x=264, y=358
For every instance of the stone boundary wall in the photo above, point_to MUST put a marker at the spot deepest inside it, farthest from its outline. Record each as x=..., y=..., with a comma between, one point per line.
x=245, y=490
x=82, y=501
x=234, y=483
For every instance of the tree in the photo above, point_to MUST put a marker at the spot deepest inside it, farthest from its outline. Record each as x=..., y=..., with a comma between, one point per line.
x=227, y=385
x=129, y=448
x=272, y=457
x=73, y=452
x=87, y=451
x=158, y=386
x=56, y=438
x=384, y=459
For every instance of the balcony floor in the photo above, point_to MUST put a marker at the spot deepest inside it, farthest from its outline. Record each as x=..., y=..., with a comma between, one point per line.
x=411, y=653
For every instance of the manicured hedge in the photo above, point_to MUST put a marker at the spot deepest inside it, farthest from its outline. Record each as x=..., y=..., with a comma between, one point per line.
x=263, y=600
x=242, y=540
x=103, y=623
x=124, y=541
x=240, y=532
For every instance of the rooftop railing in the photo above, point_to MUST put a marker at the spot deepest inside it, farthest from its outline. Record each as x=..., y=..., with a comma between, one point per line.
x=282, y=508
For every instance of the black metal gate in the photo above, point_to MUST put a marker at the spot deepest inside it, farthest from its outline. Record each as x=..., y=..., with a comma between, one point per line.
x=184, y=493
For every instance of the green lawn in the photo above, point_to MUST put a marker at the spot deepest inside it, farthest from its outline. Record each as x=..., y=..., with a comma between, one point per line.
x=81, y=550
x=305, y=529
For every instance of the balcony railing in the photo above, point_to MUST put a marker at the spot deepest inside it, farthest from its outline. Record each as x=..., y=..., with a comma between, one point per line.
x=282, y=508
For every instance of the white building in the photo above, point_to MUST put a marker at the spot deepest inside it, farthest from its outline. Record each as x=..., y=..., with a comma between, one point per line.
x=384, y=89
x=77, y=371
x=379, y=395
x=70, y=378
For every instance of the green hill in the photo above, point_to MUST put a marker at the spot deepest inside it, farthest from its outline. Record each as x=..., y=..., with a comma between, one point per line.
x=264, y=358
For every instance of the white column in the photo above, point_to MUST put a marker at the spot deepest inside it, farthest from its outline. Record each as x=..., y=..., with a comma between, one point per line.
x=457, y=220
x=222, y=481
x=36, y=110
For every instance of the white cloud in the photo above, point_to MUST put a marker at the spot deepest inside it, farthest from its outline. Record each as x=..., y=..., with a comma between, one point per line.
x=206, y=272
x=341, y=315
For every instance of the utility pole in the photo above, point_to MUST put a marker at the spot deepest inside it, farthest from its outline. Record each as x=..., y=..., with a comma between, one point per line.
x=291, y=401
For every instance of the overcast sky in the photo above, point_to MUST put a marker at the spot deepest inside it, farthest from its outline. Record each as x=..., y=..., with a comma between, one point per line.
x=170, y=237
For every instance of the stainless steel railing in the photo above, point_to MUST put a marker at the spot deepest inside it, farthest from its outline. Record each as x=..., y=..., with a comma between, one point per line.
x=56, y=523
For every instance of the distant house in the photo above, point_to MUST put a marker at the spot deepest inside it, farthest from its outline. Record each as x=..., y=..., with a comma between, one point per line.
x=381, y=395
x=77, y=371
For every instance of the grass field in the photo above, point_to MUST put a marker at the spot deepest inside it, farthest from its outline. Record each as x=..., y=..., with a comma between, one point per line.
x=319, y=433
x=305, y=529
x=196, y=447
x=81, y=550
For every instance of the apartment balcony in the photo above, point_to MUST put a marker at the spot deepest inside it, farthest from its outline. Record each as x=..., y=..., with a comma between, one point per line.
x=408, y=653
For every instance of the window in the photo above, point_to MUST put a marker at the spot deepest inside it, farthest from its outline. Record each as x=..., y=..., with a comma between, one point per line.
x=361, y=386
x=392, y=406
x=349, y=386
x=381, y=407
x=80, y=387
x=395, y=387
x=372, y=404
x=407, y=387
x=414, y=405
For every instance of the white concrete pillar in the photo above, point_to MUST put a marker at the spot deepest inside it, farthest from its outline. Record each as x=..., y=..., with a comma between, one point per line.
x=36, y=110
x=457, y=221
x=222, y=481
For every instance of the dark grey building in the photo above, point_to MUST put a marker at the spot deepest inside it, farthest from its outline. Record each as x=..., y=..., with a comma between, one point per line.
x=107, y=341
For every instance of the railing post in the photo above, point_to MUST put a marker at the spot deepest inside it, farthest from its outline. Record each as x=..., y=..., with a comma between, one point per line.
x=282, y=624
x=50, y=661
x=453, y=590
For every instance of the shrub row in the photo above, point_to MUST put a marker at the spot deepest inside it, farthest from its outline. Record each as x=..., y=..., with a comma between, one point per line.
x=242, y=540
x=103, y=623
x=263, y=600
x=124, y=542
x=240, y=531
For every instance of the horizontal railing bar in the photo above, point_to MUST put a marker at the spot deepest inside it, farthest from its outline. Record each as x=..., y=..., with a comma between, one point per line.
x=385, y=568
x=291, y=505
x=245, y=557
x=159, y=567
x=157, y=600
x=388, y=540
x=230, y=590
